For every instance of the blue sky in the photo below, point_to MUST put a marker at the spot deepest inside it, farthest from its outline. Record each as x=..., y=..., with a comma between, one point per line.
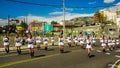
x=15, y=9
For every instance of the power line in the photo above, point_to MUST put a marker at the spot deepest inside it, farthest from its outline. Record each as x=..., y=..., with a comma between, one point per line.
x=60, y=6
x=35, y=3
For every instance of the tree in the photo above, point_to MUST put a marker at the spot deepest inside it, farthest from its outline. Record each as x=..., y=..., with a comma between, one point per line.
x=24, y=25
x=99, y=17
x=53, y=22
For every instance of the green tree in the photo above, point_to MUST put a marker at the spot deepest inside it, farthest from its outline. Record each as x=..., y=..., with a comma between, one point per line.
x=54, y=22
x=99, y=17
x=24, y=25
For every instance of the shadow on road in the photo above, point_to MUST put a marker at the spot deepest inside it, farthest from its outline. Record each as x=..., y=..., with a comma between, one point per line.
x=66, y=51
x=50, y=49
x=39, y=55
x=91, y=56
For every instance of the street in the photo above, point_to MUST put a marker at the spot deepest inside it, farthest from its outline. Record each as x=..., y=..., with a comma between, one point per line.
x=74, y=57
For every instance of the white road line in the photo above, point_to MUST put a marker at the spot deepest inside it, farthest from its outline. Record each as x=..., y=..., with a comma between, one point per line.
x=118, y=56
x=114, y=65
x=9, y=55
x=98, y=50
x=107, y=53
x=117, y=50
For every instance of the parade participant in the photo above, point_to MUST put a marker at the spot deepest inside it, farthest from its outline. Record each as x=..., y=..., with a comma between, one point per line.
x=61, y=43
x=110, y=43
x=45, y=42
x=103, y=44
x=6, y=43
x=117, y=43
x=113, y=43
x=88, y=46
x=30, y=42
x=75, y=40
x=38, y=41
x=69, y=40
x=93, y=41
x=18, y=43
x=52, y=40
x=82, y=39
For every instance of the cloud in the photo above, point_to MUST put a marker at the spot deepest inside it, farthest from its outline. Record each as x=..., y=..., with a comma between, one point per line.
x=31, y=18
x=108, y=1
x=3, y=22
x=58, y=13
x=92, y=2
x=69, y=9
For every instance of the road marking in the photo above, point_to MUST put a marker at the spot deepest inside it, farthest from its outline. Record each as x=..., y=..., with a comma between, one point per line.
x=107, y=53
x=9, y=55
x=98, y=50
x=118, y=56
x=27, y=60
x=117, y=50
x=30, y=59
x=113, y=66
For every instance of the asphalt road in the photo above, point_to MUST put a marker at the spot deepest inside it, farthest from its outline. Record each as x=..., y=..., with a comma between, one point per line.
x=74, y=57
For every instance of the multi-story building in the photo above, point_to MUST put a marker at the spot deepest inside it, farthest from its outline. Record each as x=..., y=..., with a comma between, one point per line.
x=110, y=16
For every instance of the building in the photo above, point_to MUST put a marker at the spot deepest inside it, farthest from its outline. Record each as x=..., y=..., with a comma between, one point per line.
x=35, y=27
x=110, y=16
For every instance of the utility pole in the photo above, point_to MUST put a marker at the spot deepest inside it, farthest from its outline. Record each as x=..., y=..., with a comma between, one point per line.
x=8, y=24
x=64, y=20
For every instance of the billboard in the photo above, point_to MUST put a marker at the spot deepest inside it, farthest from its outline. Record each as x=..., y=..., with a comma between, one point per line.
x=48, y=27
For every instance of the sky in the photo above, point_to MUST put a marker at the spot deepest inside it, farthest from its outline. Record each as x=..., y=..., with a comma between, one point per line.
x=48, y=10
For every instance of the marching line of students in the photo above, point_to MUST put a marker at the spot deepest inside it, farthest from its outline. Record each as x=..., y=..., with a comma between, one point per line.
x=85, y=42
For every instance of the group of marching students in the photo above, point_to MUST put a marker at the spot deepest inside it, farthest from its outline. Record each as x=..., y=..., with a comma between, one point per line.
x=86, y=42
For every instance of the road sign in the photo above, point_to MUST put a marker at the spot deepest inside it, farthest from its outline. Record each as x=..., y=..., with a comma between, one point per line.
x=48, y=27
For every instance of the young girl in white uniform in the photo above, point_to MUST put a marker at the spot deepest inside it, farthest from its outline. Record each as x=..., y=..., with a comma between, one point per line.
x=75, y=40
x=113, y=43
x=82, y=39
x=61, y=43
x=52, y=40
x=110, y=44
x=88, y=46
x=45, y=42
x=30, y=42
x=6, y=43
x=38, y=41
x=18, y=43
x=117, y=43
x=103, y=44
x=69, y=40
x=93, y=41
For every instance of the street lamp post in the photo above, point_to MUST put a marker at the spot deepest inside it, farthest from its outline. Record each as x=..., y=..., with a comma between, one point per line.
x=64, y=19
